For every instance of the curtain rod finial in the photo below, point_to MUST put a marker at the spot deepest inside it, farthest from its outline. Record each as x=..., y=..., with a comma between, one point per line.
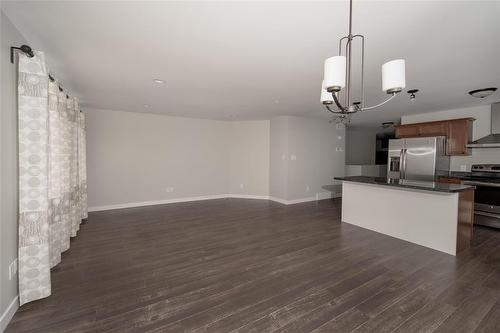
x=24, y=48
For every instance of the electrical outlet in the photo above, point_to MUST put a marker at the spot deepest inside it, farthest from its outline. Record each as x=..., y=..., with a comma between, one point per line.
x=307, y=188
x=12, y=269
x=339, y=149
x=242, y=185
x=463, y=167
x=169, y=189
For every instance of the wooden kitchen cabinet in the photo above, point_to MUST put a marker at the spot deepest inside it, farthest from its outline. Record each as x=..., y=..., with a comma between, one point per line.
x=434, y=128
x=449, y=180
x=438, y=128
x=458, y=133
x=407, y=131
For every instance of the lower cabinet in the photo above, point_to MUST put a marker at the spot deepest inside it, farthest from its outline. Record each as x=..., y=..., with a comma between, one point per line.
x=449, y=180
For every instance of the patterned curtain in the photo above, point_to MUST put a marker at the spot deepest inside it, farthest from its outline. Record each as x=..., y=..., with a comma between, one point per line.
x=52, y=175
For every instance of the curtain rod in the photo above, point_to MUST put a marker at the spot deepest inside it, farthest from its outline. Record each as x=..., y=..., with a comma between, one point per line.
x=51, y=78
x=23, y=48
x=26, y=49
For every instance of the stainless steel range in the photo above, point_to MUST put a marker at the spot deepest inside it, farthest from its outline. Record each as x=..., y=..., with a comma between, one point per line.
x=486, y=178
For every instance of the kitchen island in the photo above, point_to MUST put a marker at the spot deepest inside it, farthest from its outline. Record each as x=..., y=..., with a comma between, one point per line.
x=436, y=215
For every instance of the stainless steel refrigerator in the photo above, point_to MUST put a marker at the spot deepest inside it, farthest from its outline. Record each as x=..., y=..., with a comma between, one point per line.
x=418, y=158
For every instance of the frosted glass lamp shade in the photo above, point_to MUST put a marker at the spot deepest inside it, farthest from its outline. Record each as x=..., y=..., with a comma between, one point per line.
x=393, y=76
x=334, y=78
x=326, y=97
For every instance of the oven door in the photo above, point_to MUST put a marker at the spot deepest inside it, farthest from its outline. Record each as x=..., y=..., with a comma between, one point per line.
x=486, y=203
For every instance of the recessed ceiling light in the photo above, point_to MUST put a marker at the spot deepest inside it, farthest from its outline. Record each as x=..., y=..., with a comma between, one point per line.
x=482, y=93
x=159, y=81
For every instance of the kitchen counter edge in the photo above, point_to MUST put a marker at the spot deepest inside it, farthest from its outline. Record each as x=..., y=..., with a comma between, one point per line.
x=416, y=185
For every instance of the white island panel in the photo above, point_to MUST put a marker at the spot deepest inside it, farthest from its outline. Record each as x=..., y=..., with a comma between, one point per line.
x=423, y=217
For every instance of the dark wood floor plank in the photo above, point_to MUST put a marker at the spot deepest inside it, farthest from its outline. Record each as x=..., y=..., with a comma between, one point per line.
x=337, y=305
x=346, y=322
x=427, y=319
x=240, y=316
x=397, y=313
x=490, y=322
x=258, y=266
x=471, y=312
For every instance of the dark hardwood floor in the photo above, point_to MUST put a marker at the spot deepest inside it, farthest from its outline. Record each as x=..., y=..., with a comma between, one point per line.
x=258, y=266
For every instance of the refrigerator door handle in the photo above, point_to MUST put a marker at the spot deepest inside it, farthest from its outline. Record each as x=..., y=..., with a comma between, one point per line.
x=401, y=155
x=402, y=174
x=401, y=165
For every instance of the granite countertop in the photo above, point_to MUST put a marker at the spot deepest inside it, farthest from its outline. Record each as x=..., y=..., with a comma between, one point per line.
x=410, y=184
x=459, y=174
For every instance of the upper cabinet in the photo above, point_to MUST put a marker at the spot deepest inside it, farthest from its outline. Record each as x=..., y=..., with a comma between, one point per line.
x=433, y=129
x=407, y=131
x=458, y=133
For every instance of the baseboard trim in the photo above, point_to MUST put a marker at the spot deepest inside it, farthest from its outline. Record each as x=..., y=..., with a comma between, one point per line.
x=300, y=200
x=156, y=202
x=9, y=313
x=319, y=196
x=247, y=196
x=279, y=200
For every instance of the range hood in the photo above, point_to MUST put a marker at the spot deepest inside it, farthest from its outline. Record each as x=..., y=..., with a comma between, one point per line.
x=492, y=140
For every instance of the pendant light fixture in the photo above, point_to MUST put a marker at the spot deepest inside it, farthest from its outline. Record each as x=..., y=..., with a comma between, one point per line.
x=337, y=78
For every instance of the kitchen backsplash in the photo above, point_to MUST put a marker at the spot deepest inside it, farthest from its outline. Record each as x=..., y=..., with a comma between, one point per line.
x=479, y=155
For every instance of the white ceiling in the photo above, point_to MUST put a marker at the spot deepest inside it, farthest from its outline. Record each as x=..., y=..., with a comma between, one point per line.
x=255, y=60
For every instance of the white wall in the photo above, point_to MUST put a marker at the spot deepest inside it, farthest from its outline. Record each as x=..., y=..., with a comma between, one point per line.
x=304, y=157
x=481, y=127
x=366, y=170
x=140, y=158
x=313, y=157
x=249, y=157
x=278, y=170
x=8, y=181
x=361, y=145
